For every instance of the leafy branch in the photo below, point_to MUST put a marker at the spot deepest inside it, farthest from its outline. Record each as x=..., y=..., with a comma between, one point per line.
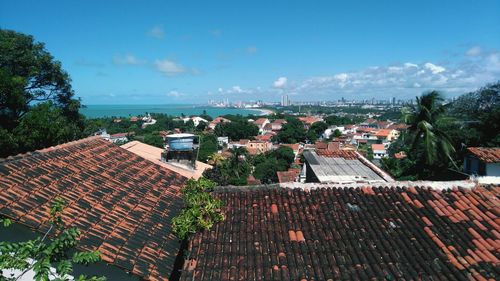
x=202, y=210
x=41, y=255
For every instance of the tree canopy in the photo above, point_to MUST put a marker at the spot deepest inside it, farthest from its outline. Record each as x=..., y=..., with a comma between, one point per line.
x=33, y=86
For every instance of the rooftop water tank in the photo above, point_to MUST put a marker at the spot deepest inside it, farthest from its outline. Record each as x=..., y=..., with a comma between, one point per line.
x=180, y=142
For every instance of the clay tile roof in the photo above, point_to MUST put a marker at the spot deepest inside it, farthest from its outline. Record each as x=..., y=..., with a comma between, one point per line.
x=486, y=154
x=346, y=154
x=266, y=137
x=376, y=146
x=122, y=203
x=260, y=121
x=321, y=145
x=368, y=233
x=288, y=176
x=383, y=132
x=280, y=121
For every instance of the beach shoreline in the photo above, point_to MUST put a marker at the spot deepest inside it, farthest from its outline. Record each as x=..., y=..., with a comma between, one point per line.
x=262, y=111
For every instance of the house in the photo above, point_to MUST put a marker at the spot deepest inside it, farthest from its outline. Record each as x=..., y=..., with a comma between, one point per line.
x=265, y=137
x=350, y=129
x=365, y=138
x=134, y=119
x=122, y=203
x=363, y=232
x=255, y=147
x=217, y=121
x=277, y=124
x=196, y=120
x=222, y=141
x=148, y=120
x=309, y=120
x=483, y=161
x=331, y=130
x=341, y=166
x=120, y=137
x=379, y=151
x=153, y=154
x=261, y=123
x=387, y=135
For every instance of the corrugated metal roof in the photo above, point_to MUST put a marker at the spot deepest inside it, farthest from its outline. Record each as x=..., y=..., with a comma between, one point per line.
x=338, y=169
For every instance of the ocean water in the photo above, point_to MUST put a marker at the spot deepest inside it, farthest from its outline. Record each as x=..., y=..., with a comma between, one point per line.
x=95, y=111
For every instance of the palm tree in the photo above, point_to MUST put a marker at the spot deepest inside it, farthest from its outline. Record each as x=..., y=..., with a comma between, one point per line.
x=423, y=118
x=215, y=158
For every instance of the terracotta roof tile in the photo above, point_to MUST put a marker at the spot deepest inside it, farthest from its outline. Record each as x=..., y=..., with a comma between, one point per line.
x=288, y=176
x=346, y=154
x=377, y=146
x=122, y=203
x=486, y=154
x=369, y=233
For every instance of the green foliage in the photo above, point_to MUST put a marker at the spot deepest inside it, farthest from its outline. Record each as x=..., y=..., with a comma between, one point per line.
x=201, y=210
x=154, y=140
x=37, y=104
x=234, y=170
x=431, y=146
x=208, y=147
x=237, y=129
x=40, y=255
x=267, y=164
x=291, y=132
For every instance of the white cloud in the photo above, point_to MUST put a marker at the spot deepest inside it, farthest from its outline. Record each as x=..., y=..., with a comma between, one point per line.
x=434, y=68
x=280, y=82
x=403, y=80
x=175, y=94
x=128, y=60
x=169, y=67
x=251, y=49
x=474, y=51
x=157, y=32
x=409, y=64
x=236, y=89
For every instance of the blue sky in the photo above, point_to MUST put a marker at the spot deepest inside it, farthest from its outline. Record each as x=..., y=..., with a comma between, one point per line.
x=144, y=52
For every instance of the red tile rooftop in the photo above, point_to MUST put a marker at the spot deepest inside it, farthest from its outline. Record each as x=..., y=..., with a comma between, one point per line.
x=486, y=154
x=378, y=147
x=346, y=154
x=369, y=233
x=288, y=176
x=122, y=203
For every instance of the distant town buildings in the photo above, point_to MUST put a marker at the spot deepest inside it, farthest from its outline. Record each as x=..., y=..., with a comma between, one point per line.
x=285, y=101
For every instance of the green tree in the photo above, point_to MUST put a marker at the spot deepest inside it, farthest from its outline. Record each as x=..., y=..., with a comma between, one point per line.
x=41, y=253
x=266, y=171
x=432, y=146
x=154, y=140
x=208, y=147
x=29, y=75
x=291, y=132
x=236, y=130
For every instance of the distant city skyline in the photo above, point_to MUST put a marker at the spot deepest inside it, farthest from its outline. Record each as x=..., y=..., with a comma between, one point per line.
x=191, y=52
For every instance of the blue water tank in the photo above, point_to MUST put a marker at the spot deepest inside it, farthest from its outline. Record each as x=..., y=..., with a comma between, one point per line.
x=180, y=141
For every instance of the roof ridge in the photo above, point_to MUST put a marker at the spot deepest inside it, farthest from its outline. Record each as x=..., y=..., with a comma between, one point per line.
x=47, y=149
x=433, y=185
